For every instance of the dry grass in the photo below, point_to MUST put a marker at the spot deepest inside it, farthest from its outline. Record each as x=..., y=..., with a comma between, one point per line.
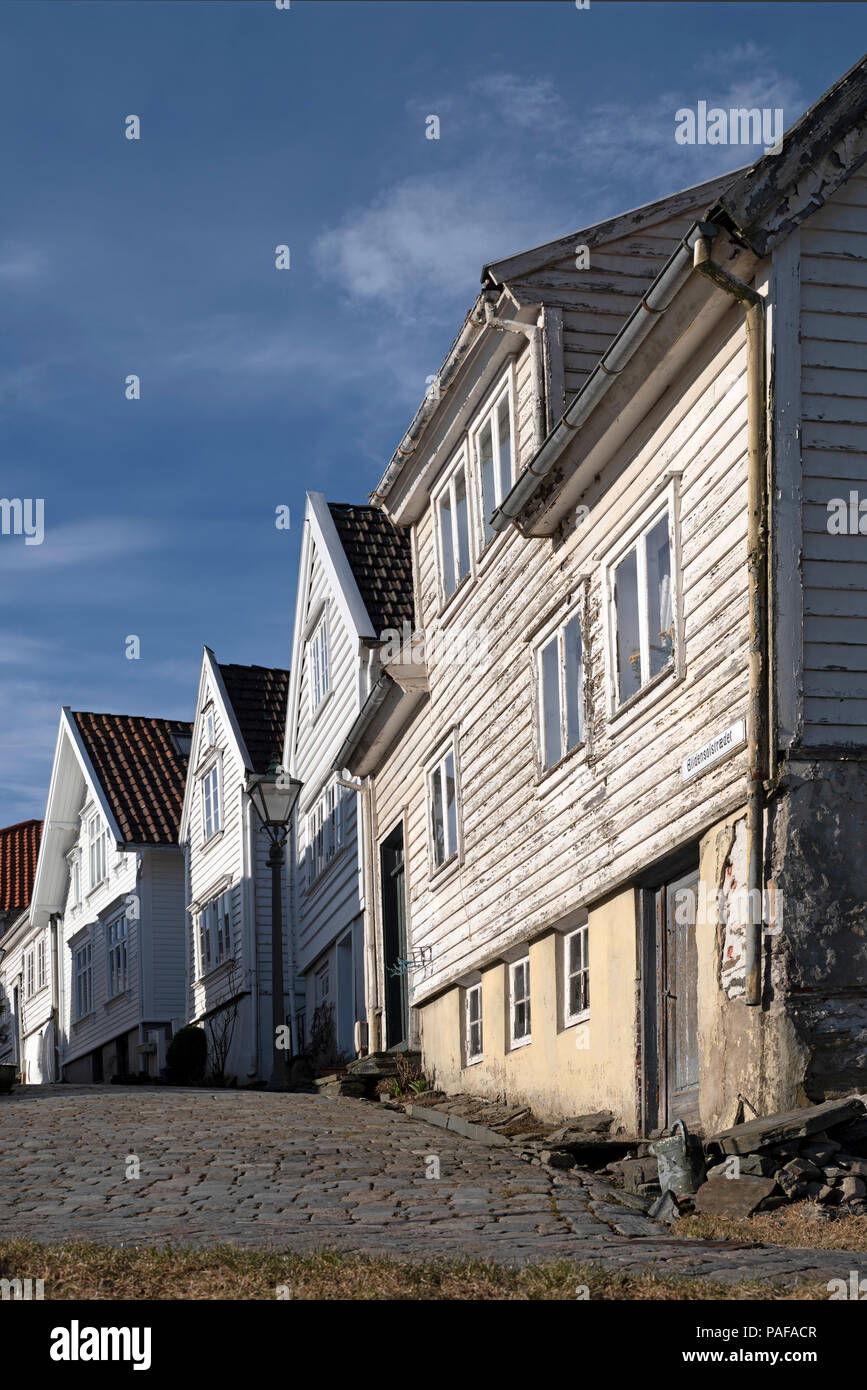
x=108, y=1273
x=794, y=1225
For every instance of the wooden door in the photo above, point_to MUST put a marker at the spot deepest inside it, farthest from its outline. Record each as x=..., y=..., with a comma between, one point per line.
x=680, y=1002
x=393, y=876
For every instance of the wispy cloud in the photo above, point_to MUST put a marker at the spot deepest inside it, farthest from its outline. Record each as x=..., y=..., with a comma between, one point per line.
x=77, y=544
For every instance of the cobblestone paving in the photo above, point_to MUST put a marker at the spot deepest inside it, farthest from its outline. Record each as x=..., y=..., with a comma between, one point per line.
x=304, y=1173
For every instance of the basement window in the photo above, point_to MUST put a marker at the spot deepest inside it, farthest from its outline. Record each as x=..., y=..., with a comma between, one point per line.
x=519, y=1001
x=473, y=1021
x=577, y=975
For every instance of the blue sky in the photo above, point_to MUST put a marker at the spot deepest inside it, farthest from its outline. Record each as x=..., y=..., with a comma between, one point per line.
x=306, y=127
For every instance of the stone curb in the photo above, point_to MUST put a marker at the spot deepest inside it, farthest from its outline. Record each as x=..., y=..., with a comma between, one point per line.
x=467, y=1128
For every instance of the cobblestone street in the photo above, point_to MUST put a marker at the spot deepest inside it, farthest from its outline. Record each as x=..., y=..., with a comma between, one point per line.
x=303, y=1173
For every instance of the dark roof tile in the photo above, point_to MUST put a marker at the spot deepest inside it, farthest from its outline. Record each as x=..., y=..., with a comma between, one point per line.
x=141, y=770
x=380, y=558
x=19, y=850
x=259, y=695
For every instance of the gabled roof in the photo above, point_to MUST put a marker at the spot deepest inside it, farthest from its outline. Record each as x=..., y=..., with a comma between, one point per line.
x=141, y=769
x=258, y=696
x=19, y=850
x=380, y=558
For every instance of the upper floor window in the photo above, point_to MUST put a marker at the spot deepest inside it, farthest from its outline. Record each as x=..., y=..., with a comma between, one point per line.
x=443, y=807
x=41, y=971
x=211, y=819
x=116, y=943
x=325, y=830
x=29, y=975
x=494, y=452
x=452, y=525
x=83, y=981
x=74, y=879
x=577, y=975
x=96, y=838
x=560, y=683
x=319, y=669
x=643, y=608
x=215, y=932
x=210, y=729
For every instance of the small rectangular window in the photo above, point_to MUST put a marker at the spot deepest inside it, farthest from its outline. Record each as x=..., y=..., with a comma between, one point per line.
x=83, y=981
x=210, y=732
x=453, y=526
x=520, y=1001
x=29, y=987
x=443, y=808
x=325, y=831
x=215, y=932
x=643, y=601
x=96, y=838
x=494, y=457
x=211, y=820
x=473, y=1040
x=75, y=884
x=561, y=692
x=117, y=964
x=577, y=975
x=319, y=667
x=41, y=976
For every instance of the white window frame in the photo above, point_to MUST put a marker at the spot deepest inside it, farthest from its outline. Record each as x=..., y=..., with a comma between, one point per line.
x=97, y=848
x=82, y=980
x=473, y=994
x=522, y=964
x=326, y=831
x=117, y=958
x=459, y=464
x=210, y=728
x=581, y=934
x=556, y=632
x=488, y=415
x=75, y=879
x=214, y=933
x=41, y=960
x=29, y=973
x=319, y=657
x=664, y=503
x=216, y=801
x=436, y=773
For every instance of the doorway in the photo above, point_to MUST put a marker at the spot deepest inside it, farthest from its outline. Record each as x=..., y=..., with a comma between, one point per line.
x=345, y=997
x=670, y=988
x=393, y=877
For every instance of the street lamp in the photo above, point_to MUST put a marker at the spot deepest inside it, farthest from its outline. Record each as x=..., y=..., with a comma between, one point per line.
x=273, y=795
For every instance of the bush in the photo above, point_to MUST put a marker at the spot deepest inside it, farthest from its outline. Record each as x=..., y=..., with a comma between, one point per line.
x=187, y=1055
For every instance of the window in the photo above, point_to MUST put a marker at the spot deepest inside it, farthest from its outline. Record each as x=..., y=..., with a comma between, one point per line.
x=443, y=808
x=519, y=973
x=96, y=838
x=577, y=975
x=83, y=981
x=325, y=830
x=560, y=677
x=116, y=941
x=323, y=985
x=41, y=978
x=643, y=610
x=215, y=932
x=319, y=673
x=29, y=986
x=452, y=513
x=210, y=731
x=474, y=1024
x=494, y=456
x=211, y=802
x=74, y=880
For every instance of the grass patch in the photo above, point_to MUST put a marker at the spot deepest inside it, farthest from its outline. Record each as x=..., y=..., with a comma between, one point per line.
x=108, y=1273
x=794, y=1225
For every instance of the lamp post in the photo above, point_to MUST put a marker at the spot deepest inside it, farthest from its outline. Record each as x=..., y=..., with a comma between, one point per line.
x=273, y=795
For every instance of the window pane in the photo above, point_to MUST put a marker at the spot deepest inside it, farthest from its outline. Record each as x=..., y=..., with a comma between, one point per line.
x=550, y=703
x=486, y=468
x=437, y=824
x=628, y=639
x=504, y=433
x=463, y=518
x=447, y=545
x=574, y=665
x=660, y=616
x=451, y=803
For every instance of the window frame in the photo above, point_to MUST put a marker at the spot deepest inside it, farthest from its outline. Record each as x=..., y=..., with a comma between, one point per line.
x=213, y=770
x=325, y=829
x=214, y=925
x=98, y=842
x=319, y=663
x=29, y=972
x=522, y=963
x=210, y=725
x=116, y=949
x=434, y=769
x=487, y=414
x=41, y=964
x=552, y=631
x=663, y=503
x=459, y=463
x=473, y=1057
x=582, y=1015
x=80, y=975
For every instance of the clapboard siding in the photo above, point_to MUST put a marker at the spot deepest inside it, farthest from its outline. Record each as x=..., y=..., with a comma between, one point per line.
x=165, y=879
x=833, y=275
x=535, y=849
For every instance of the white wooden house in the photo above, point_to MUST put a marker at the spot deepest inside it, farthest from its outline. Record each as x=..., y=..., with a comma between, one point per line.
x=633, y=823
x=354, y=589
x=238, y=730
x=109, y=893
x=28, y=1011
